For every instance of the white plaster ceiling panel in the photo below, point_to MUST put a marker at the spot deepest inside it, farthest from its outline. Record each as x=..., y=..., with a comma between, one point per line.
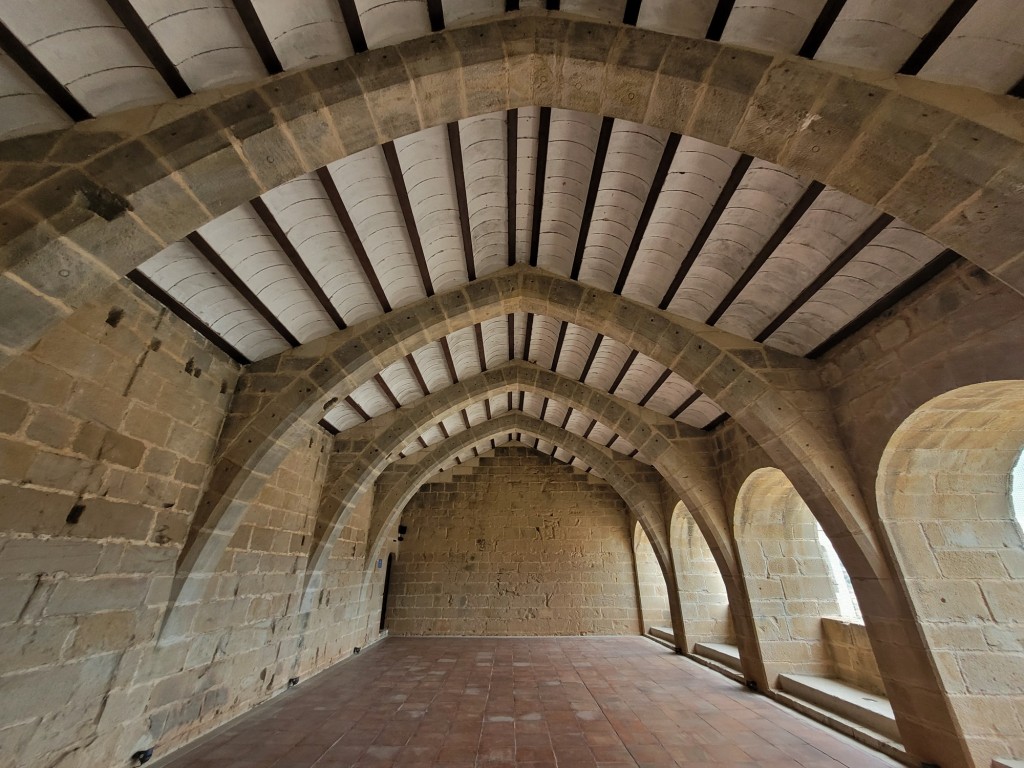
x=689, y=19
x=892, y=257
x=607, y=365
x=828, y=227
x=519, y=328
x=696, y=177
x=701, y=413
x=579, y=464
x=499, y=405
x=545, y=447
x=642, y=375
x=249, y=250
x=188, y=278
x=462, y=11
x=365, y=186
x=371, y=399
x=532, y=403
x=462, y=344
x=410, y=449
x=760, y=203
x=343, y=416
x=879, y=34
x=454, y=424
x=86, y=48
x=302, y=33
x=563, y=456
x=986, y=50
x=432, y=435
x=431, y=364
x=622, y=445
x=205, y=39
x=477, y=414
x=578, y=423
x=495, y=333
x=634, y=152
x=575, y=350
x=24, y=108
x=555, y=413
x=303, y=211
x=526, y=176
x=485, y=166
x=400, y=380
x=426, y=162
x=672, y=393
x=604, y=10
x=543, y=339
x=386, y=22
x=570, y=161
x=601, y=434
x=773, y=25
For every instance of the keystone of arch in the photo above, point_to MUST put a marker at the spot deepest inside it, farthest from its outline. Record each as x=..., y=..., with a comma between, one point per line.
x=894, y=142
x=774, y=396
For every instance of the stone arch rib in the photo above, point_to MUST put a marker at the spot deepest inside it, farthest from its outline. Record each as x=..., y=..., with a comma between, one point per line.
x=93, y=219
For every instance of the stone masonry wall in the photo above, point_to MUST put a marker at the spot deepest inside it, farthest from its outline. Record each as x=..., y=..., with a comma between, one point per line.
x=650, y=583
x=850, y=649
x=107, y=428
x=524, y=545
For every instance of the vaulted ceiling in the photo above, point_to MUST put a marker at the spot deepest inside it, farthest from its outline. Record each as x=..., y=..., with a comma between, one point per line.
x=696, y=229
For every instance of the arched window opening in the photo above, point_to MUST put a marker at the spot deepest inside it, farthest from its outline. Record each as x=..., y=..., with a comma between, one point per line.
x=1017, y=490
x=848, y=607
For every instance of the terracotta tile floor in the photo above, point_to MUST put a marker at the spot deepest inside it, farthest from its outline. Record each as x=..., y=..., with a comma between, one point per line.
x=526, y=702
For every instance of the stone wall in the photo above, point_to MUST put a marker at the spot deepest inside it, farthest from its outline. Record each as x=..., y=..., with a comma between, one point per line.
x=107, y=429
x=522, y=545
x=850, y=649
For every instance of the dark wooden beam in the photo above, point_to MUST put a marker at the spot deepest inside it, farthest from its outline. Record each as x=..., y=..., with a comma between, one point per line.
x=543, y=408
x=724, y=197
x=848, y=255
x=183, y=313
x=591, y=356
x=795, y=214
x=465, y=418
x=444, y=429
x=554, y=450
x=279, y=235
x=657, y=385
x=615, y=436
x=208, y=253
x=511, y=5
x=357, y=408
x=422, y=441
x=826, y=18
x=386, y=390
x=568, y=415
x=144, y=38
x=936, y=36
x=334, y=196
x=720, y=19
x=586, y=433
x=41, y=76
x=510, y=402
x=436, y=13
x=543, y=133
x=936, y=266
x=259, y=36
x=417, y=375
x=455, y=144
x=632, y=13
x=558, y=344
x=327, y=427
x=402, y=192
x=522, y=401
x=487, y=408
x=623, y=372
x=719, y=419
x=480, y=351
x=667, y=156
x=448, y=360
x=596, y=172
x=528, y=334
x=350, y=14
x=693, y=398
x=511, y=337
x=633, y=453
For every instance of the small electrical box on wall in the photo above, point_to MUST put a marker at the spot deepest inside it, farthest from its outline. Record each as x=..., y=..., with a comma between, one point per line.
x=380, y=563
